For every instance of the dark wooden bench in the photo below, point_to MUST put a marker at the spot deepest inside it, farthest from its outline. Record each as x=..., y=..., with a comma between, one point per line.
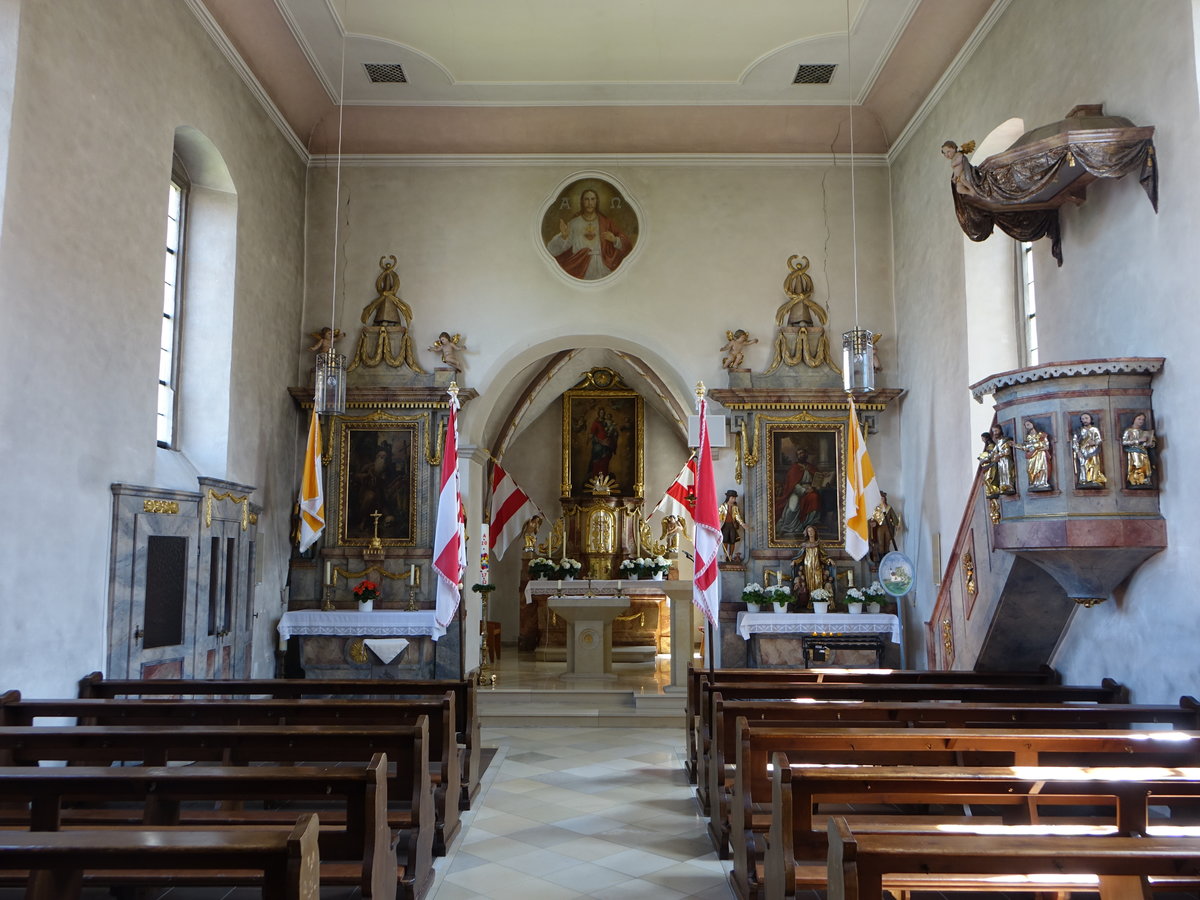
x=285, y=864
x=409, y=793
x=465, y=701
x=444, y=764
x=1108, y=691
x=860, y=866
x=1118, y=801
x=696, y=676
x=356, y=849
x=963, y=714
x=756, y=744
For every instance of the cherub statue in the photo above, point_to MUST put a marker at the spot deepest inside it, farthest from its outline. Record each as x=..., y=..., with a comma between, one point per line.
x=388, y=308
x=450, y=347
x=736, y=346
x=672, y=527
x=325, y=339
x=798, y=285
x=962, y=173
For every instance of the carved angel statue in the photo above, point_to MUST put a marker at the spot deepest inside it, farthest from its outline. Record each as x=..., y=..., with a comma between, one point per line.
x=962, y=173
x=325, y=339
x=388, y=308
x=737, y=342
x=798, y=286
x=450, y=348
x=672, y=528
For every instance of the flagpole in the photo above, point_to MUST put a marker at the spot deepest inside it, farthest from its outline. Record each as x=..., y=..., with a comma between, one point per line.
x=701, y=409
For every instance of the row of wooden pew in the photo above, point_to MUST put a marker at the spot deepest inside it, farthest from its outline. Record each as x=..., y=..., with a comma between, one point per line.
x=283, y=784
x=835, y=779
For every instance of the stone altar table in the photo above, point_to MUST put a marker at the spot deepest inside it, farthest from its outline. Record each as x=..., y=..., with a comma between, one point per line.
x=589, y=634
x=356, y=644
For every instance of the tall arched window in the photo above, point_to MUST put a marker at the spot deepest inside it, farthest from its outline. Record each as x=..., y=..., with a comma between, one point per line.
x=168, y=355
x=1026, y=300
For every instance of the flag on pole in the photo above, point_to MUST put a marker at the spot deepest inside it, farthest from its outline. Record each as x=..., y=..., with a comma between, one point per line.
x=312, y=488
x=449, y=546
x=511, y=509
x=680, y=498
x=862, y=490
x=706, y=589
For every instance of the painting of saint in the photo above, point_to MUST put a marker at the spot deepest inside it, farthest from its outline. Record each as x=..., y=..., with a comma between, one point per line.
x=604, y=438
x=589, y=229
x=377, y=477
x=804, y=484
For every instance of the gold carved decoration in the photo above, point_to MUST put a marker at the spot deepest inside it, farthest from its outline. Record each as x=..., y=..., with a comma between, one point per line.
x=243, y=501
x=434, y=458
x=383, y=573
x=968, y=567
x=948, y=637
x=162, y=507
x=357, y=651
x=601, y=530
x=737, y=457
x=800, y=323
x=391, y=319
x=994, y=510
x=640, y=616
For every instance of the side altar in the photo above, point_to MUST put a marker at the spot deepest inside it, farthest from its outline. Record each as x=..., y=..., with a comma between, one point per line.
x=389, y=644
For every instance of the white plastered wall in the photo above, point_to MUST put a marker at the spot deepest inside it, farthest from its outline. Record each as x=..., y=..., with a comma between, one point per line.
x=1126, y=288
x=100, y=90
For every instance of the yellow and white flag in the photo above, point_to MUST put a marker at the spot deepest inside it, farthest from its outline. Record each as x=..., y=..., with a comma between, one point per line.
x=312, y=489
x=862, y=491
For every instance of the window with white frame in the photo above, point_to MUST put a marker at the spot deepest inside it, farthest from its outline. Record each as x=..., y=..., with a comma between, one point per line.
x=168, y=357
x=1027, y=304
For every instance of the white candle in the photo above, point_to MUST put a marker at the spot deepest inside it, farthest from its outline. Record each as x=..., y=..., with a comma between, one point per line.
x=412, y=574
x=618, y=585
x=329, y=573
x=282, y=642
x=560, y=586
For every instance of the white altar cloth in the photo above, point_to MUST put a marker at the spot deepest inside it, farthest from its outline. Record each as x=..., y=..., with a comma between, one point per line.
x=343, y=623
x=811, y=623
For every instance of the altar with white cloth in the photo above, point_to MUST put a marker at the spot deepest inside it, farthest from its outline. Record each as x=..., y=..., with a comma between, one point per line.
x=750, y=626
x=357, y=644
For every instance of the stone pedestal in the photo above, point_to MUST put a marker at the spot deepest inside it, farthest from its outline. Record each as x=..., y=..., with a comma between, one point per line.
x=589, y=633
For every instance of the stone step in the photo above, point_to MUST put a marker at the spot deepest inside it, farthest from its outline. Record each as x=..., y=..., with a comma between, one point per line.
x=540, y=708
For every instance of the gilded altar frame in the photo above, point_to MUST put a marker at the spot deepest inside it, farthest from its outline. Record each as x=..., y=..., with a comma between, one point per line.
x=603, y=433
x=806, y=480
x=377, y=471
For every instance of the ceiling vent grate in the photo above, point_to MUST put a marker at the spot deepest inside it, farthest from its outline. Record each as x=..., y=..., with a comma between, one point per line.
x=814, y=73
x=386, y=73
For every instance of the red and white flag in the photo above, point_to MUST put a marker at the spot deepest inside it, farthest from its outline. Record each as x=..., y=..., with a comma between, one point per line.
x=680, y=498
x=510, y=511
x=312, y=488
x=706, y=588
x=449, y=546
x=862, y=490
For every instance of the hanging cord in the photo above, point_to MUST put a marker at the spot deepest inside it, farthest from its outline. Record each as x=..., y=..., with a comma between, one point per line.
x=337, y=190
x=853, y=211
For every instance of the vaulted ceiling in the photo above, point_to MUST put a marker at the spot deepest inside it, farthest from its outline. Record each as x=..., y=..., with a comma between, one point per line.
x=617, y=76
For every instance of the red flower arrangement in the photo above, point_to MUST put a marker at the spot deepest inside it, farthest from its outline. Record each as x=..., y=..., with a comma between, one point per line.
x=366, y=590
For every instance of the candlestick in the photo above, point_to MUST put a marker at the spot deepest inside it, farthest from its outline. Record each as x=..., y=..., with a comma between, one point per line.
x=328, y=573
x=412, y=574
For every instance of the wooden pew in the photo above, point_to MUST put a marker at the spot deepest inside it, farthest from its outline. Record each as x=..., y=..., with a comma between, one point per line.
x=860, y=866
x=445, y=768
x=358, y=853
x=285, y=864
x=756, y=744
x=783, y=713
x=697, y=676
x=796, y=845
x=409, y=793
x=465, y=701
x=1108, y=691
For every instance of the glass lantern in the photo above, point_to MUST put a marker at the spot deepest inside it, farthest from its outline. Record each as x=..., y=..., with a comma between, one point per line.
x=858, y=360
x=330, y=388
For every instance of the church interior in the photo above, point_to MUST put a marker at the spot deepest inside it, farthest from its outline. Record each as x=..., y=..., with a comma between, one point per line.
x=970, y=217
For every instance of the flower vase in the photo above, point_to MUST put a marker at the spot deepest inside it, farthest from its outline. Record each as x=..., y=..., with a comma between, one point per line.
x=873, y=607
x=657, y=576
x=854, y=607
x=366, y=605
x=820, y=607
x=781, y=607
x=633, y=577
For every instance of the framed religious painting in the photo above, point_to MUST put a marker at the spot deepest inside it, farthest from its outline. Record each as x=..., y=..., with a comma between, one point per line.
x=589, y=228
x=602, y=437
x=377, y=466
x=806, y=476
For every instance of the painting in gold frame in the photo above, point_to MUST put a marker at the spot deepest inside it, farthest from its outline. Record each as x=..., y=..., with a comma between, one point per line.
x=602, y=435
x=806, y=479
x=377, y=473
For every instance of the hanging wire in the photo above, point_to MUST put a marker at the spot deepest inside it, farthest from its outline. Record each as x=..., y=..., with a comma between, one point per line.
x=337, y=189
x=853, y=205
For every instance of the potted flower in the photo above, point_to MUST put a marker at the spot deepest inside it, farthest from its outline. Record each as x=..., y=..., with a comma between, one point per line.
x=875, y=595
x=820, y=601
x=366, y=592
x=568, y=568
x=854, y=601
x=542, y=568
x=752, y=596
x=654, y=567
x=629, y=569
x=779, y=595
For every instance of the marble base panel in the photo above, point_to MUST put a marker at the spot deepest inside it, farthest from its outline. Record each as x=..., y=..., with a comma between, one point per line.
x=785, y=652
x=327, y=656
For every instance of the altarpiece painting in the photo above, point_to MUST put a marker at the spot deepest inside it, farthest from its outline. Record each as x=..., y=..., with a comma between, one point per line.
x=805, y=481
x=377, y=472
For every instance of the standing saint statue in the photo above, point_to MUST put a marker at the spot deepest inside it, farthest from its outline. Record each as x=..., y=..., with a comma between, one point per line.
x=987, y=465
x=1136, y=440
x=1002, y=454
x=1037, y=457
x=730, y=516
x=1085, y=447
x=811, y=569
x=882, y=528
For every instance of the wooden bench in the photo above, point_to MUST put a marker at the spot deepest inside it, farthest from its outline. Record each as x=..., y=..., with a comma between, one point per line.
x=1108, y=691
x=860, y=866
x=796, y=845
x=285, y=864
x=465, y=701
x=355, y=850
x=964, y=714
x=409, y=793
x=696, y=676
x=756, y=744
x=444, y=764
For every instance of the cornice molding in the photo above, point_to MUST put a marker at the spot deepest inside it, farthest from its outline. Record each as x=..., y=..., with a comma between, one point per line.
x=744, y=160
x=1128, y=365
